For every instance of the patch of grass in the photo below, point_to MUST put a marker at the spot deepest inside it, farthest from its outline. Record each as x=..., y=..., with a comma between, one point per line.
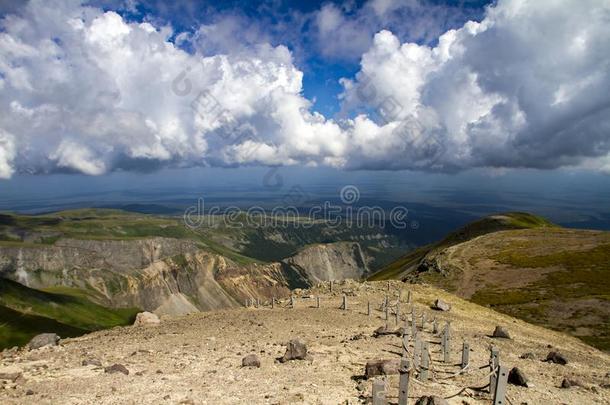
x=68, y=307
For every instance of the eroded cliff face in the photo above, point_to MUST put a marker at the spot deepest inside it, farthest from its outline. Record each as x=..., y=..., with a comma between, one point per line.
x=171, y=276
x=333, y=261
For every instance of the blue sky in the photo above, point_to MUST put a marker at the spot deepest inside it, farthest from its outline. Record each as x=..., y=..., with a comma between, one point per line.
x=116, y=90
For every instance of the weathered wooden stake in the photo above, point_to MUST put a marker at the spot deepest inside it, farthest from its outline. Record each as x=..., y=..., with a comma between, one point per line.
x=446, y=346
x=388, y=286
x=403, y=389
x=425, y=362
x=379, y=392
x=405, y=344
x=344, y=306
x=368, y=308
x=435, y=326
x=423, y=321
x=465, y=354
x=417, y=350
x=397, y=314
x=272, y=302
x=500, y=389
x=331, y=286
x=292, y=301
x=409, y=297
x=258, y=303
x=387, y=310
x=494, y=362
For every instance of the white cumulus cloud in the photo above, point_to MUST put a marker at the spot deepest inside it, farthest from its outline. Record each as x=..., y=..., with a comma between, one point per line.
x=84, y=90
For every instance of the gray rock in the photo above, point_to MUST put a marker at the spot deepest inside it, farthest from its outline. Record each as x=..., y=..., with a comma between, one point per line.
x=42, y=340
x=570, y=382
x=528, y=356
x=441, y=305
x=385, y=331
x=295, y=350
x=10, y=373
x=116, y=368
x=146, y=319
x=251, y=360
x=500, y=332
x=92, y=362
x=517, y=377
x=381, y=367
x=557, y=358
x=431, y=400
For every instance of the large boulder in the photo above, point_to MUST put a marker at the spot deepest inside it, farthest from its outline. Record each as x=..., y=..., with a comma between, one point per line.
x=517, y=377
x=557, y=358
x=500, y=332
x=441, y=305
x=251, y=360
x=42, y=340
x=146, y=319
x=116, y=368
x=295, y=350
x=569, y=382
x=381, y=367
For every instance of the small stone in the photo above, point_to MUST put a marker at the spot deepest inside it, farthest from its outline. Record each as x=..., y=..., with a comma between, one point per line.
x=92, y=362
x=116, y=368
x=251, y=360
x=516, y=377
x=385, y=331
x=431, y=400
x=441, y=305
x=295, y=350
x=500, y=332
x=42, y=340
x=381, y=367
x=557, y=358
x=528, y=356
x=570, y=382
x=29, y=392
x=146, y=319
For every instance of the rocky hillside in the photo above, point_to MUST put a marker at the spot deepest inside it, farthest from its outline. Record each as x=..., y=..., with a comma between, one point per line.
x=117, y=267
x=555, y=277
x=324, y=262
x=198, y=358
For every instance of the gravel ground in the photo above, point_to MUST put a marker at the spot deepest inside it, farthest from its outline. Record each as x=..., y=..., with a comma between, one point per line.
x=196, y=359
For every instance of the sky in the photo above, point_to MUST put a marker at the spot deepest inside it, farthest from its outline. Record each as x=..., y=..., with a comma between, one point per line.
x=119, y=89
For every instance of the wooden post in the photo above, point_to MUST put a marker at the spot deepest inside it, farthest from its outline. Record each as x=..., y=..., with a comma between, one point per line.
x=500, y=389
x=397, y=317
x=405, y=374
x=387, y=309
x=258, y=303
x=435, y=326
x=494, y=362
x=368, y=308
x=344, y=306
x=247, y=303
x=272, y=302
x=423, y=321
x=409, y=297
x=417, y=350
x=292, y=301
x=405, y=344
x=465, y=354
x=446, y=346
x=379, y=392
x=318, y=301
x=331, y=286
x=425, y=362
x=388, y=286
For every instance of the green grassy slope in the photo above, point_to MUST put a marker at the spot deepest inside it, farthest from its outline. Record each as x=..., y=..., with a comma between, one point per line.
x=490, y=224
x=24, y=312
